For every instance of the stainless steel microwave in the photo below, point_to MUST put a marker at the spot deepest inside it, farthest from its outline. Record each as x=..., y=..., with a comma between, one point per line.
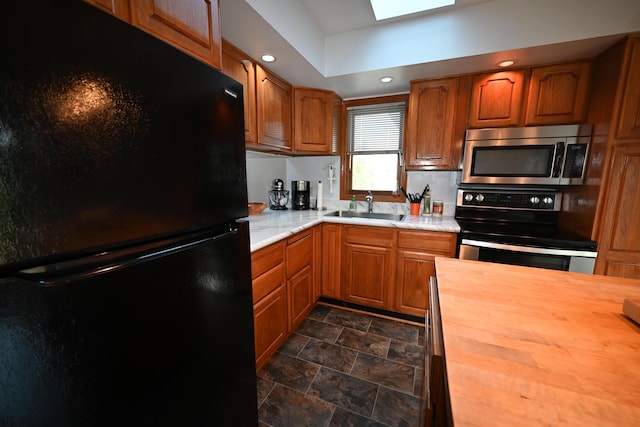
x=540, y=155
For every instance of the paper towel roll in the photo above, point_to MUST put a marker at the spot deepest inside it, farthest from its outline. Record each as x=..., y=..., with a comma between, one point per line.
x=319, y=196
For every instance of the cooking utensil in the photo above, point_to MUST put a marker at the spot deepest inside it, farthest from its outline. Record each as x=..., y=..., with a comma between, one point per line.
x=405, y=193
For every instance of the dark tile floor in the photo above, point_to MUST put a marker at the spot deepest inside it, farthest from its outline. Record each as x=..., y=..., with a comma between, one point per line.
x=342, y=368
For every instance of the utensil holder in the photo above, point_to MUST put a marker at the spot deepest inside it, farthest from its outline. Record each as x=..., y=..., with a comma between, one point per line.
x=415, y=208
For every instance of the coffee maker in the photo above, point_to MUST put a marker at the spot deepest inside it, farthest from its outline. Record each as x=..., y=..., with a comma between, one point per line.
x=300, y=194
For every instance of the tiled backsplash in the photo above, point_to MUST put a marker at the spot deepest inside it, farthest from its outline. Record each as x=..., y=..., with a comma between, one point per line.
x=262, y=169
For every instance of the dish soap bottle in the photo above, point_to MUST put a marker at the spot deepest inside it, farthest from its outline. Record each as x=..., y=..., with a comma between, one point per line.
x=353, y=205
x=426, y=209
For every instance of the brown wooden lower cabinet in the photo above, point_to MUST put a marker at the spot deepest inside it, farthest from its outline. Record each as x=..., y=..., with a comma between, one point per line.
x=300, y=296
x=270, y=324
x=386, y=268
x=300, y=276
x=367, y=266
x=284, y=289
x=412, y=297
x=331, y=255
x=379, y=267
x=417, y=251
x=269, y=300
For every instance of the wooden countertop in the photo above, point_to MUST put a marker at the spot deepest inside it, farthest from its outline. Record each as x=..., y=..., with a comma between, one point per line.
x=533, y=347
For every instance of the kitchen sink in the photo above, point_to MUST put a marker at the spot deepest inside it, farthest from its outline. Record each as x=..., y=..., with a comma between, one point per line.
x=368, y=215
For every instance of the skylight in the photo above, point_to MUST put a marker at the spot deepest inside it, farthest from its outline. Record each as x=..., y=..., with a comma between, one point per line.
x=385, y=9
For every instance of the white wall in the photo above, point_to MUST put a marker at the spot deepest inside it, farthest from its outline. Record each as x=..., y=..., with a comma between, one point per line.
x=262, y=169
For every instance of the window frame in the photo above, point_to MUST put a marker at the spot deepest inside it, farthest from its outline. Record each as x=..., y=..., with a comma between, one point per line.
x=346, y=190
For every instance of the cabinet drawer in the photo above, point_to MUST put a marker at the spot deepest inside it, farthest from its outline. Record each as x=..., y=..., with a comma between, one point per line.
x=267, y=282
x=299, y=252
x=265, y=259
x=376, y=236
x=428, y=241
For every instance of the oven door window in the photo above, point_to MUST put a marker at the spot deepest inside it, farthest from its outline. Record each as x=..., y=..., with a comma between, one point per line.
x=553, y=262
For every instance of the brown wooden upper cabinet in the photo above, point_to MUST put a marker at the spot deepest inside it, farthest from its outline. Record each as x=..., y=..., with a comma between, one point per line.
x=117, y=8
x=436, y=123
x=558, y=94
x=192, y=26
x=496, y=99
x=273, y=96
x=278, y=117
x=237, y=65
x=313, y=120
x=629, y=124
x=551, y=94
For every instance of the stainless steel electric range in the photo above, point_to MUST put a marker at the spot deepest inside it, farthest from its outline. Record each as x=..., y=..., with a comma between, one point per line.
x=519, y=226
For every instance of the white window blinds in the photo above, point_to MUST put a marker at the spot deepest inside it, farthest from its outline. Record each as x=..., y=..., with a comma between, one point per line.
x=376, y=129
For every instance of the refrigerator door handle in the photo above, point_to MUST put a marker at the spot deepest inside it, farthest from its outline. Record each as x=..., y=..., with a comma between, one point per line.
x=83, y=268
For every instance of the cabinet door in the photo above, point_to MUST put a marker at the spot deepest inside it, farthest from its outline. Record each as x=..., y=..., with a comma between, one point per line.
x=496, y=99
x=331, y=256
x=274, y=111
x=191, y=25
x=270, y=324
x=430, y=125
x=619, y=243
x=237, y=65
x=415, y=264
x=558, y=94
x=300, y=296
x=317, y=262
x=313, y=120
x=629, y=125
x=368, y=261
x=367, y=277
x=117, y=8
x=300, y=276
x=412, y=282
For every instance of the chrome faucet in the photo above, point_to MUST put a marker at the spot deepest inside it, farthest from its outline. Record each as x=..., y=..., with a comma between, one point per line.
x=369, y=200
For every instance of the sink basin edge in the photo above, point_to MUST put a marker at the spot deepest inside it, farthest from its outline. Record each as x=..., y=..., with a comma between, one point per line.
x=367, y=215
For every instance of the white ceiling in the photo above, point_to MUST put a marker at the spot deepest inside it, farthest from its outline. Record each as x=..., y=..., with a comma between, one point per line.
x=338, y=45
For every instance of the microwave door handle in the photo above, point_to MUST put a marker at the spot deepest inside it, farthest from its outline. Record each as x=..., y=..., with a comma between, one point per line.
x=558, y=159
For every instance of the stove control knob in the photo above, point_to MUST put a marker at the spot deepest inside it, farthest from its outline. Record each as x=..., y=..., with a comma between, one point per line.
x=479, y=198
x=534, y=200
x=548, y=200
x=468, y=197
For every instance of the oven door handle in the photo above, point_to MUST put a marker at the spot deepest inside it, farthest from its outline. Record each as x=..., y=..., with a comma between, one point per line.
x=529, y=249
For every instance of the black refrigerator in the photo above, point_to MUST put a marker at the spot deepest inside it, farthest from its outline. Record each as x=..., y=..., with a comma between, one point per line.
x=125, y=275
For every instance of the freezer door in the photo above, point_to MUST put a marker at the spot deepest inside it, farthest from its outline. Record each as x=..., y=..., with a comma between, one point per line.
x=109, y=135
x=165, y=340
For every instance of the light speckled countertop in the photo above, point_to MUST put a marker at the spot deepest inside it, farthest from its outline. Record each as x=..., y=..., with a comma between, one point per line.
x=272, y=226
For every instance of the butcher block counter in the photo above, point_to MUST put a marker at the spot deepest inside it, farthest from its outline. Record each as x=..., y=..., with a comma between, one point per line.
x=532, y=347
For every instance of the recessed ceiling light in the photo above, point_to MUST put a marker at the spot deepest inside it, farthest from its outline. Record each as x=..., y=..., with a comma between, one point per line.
x=385, y=9
x=267, y=57
x=386, y=79
x=506, y=63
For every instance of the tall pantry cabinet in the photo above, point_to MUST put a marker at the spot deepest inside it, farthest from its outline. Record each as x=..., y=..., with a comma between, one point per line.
x=619, y=202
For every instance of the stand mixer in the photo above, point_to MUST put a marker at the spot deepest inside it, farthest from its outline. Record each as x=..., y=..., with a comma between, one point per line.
x=278, y=196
